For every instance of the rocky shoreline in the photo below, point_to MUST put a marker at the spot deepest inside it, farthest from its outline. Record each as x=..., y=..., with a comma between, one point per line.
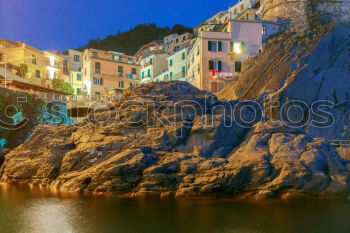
x=136, y=154
x=172, y=140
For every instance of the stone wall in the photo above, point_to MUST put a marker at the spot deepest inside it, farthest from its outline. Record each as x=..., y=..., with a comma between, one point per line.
x=302, y=12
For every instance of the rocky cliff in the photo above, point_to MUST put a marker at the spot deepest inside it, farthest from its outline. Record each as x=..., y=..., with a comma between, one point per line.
x=171, y=139
x=307, y=66
x=303, y=13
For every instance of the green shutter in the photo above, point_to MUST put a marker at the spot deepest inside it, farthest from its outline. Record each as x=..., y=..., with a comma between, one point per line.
x=209, y=45
x=238, y=66
x=211, y=65
x=220, y=46
x=79, y=77
x=219, y=65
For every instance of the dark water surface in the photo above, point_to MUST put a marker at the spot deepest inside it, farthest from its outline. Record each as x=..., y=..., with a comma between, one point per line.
x=33, y=210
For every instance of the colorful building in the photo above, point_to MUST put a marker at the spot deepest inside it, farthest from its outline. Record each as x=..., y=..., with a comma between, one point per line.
x=153, y=66
x=177, y=65
x=75, y=67
x=42, y=66
x=217, y=56
x=108, y=73
x=175, y=42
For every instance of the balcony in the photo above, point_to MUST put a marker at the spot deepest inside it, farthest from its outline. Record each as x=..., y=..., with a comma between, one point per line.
x=55, y=66
x=146, y=64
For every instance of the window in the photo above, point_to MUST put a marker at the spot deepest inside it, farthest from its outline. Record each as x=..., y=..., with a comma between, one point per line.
x=166, y=77
x=264, y=30
x=78, y=91
x=97, y=67
x=37, y=73
x=149, y=73
x=177, y=40
x=129, y=60
x=242, y=7
x=198, y=51
x=215, y=65
x=143, y=74
x=236, y=47
x=238, y=66
x=183, y=71
x=171, y=62
x=215, y=46
x=183, y=56
x=1, y=56
x=171, y=75
x=98, y=81
x=184, y=38
x=115, y=57
x=121, y=84
x=120, y=70
x=199, y=68
x=34, y=61
x=94, y=55
x=79, y=77
x=133, y=71
x=76, y=58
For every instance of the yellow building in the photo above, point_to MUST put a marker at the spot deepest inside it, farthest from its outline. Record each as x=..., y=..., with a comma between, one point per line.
x=43, y=66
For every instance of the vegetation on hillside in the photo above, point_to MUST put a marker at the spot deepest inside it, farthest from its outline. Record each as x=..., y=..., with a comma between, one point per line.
x=61, y=85
x=131, y=41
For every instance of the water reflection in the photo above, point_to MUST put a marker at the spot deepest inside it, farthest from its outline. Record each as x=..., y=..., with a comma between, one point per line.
x=50, y=215
x=36, y=210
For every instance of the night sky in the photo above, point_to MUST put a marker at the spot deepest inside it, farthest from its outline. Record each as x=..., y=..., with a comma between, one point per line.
x=62, y=24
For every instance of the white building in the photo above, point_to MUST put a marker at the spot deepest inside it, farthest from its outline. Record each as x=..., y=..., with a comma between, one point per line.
x=152, y=66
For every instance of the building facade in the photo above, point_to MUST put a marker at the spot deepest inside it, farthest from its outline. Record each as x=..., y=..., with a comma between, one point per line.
x=75, y=67
x=177, y=65
x=153, y=66
x=217, y=57
x=108, y=73
x=42, y=66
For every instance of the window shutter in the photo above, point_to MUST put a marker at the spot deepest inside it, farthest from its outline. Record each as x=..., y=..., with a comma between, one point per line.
x=101, y=81
x=211, y=65
x=220, y=46
x=238, y=66
x=209, y=45
x=219, y=65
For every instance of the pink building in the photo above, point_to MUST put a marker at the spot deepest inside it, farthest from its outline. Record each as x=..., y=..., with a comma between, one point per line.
x=217, y=56
x=108, y=73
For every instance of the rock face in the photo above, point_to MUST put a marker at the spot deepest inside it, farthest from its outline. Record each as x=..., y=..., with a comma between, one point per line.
x=304, y=12
x=309, y=66
x=171, y=139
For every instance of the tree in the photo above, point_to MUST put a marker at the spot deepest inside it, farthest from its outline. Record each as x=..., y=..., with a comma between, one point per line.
x=23, y=70
x=61, y=85
x=131, y=41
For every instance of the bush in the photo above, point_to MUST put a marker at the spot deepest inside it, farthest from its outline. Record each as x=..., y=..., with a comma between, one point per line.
x=61, y=85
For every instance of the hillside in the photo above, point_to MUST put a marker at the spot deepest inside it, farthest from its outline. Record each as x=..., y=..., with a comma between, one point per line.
x=131, y=41
x=308, y=66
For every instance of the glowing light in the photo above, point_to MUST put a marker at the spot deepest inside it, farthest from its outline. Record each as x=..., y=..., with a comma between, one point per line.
x=237, y=47
x=52, y=60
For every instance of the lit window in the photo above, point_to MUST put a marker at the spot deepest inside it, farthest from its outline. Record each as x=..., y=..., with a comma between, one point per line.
x=237, y=47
